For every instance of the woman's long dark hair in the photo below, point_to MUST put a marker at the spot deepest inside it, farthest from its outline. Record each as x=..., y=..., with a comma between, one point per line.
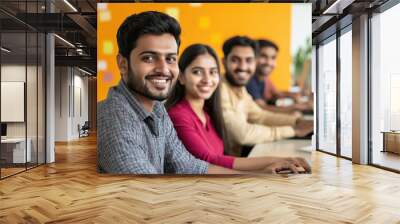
x=212, y=105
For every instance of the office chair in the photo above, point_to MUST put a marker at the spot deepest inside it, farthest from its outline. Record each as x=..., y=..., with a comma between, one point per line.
x=84, y=130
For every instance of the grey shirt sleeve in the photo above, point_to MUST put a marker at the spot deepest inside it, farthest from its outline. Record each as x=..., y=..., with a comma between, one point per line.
x=177, y=159
x=118, y=149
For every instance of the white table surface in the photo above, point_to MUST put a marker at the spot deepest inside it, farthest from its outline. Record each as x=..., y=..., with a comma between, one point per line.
x=13, y=140
x=19, y=151
x=284, y=148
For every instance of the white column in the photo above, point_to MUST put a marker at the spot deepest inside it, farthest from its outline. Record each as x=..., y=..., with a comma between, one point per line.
x=50, y=93
x=50, y=99
x=360, y=90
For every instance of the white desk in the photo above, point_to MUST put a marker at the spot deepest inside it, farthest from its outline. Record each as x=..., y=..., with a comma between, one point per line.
x=17, y=146
x=284, y=148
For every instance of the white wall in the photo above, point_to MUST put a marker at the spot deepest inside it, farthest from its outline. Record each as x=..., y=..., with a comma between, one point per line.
x=301, y=25
x=62, y=81
x=79, y=117
x=69, y=85
x=12, y=101
x=33, y=127
x=12, y=73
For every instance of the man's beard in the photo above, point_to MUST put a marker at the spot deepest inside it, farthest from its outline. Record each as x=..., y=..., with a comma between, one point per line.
x=260, y=71
x=143, y=89
x=232, y=81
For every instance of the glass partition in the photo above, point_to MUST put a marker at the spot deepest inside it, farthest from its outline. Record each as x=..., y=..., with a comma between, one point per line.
x=15, y=150
x=385, y=89
x=22, y=89
x=346, y=93
x=327, y=96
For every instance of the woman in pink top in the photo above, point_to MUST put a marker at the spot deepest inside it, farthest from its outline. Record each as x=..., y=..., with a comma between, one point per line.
x=195, y=110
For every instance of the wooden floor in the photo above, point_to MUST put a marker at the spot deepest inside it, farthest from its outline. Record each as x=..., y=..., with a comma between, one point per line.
x=70, y=191
x=387, y=159
x=10, y=171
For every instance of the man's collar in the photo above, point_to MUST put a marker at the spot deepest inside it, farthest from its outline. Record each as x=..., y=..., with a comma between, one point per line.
x=142, y=112
x=238, y=90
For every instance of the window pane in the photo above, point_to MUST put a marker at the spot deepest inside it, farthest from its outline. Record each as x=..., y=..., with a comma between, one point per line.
x=31, y=97
x=327, y=96
x=41, y=98
x=386, y=88
x=346, y=94
x=15, y=150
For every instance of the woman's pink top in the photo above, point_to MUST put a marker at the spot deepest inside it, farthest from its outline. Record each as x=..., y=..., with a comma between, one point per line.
x=202, y=141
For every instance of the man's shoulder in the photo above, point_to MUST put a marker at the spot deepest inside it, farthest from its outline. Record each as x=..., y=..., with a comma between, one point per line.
x=224, y=82
x=252, y=84
x=224, y=87
x=115, y=119
x=115, y=104
x=269, y=82
x=111, y=105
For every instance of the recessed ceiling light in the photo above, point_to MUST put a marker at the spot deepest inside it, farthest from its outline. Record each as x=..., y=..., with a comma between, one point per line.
x=64, y=40
x=5, y=50
x=337, y=7
x=84, y=71
x=70, y=5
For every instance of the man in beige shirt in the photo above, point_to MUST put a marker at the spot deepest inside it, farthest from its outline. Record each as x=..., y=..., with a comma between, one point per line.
x=247, y=123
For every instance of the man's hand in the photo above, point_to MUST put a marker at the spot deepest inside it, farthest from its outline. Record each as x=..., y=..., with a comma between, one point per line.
x=302, y=106
x=300, y=162
x=303, y=127
x=289, y=165
x=297, y=114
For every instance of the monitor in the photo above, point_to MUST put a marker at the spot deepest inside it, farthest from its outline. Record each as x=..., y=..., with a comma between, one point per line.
x=3, y=129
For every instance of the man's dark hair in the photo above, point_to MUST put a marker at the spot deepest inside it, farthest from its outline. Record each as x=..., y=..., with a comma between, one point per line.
x=267, y=43
x=150, y=22
x=239, y=41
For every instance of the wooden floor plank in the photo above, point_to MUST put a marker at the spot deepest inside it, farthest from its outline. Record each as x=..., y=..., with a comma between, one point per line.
x=71, y=191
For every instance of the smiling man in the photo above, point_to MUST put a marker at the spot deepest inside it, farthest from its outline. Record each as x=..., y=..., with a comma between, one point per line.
x=135, y=134
x=247, y=123
x=260, y=86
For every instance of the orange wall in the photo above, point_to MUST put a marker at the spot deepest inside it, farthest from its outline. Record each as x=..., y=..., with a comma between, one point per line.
x=210, y=23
